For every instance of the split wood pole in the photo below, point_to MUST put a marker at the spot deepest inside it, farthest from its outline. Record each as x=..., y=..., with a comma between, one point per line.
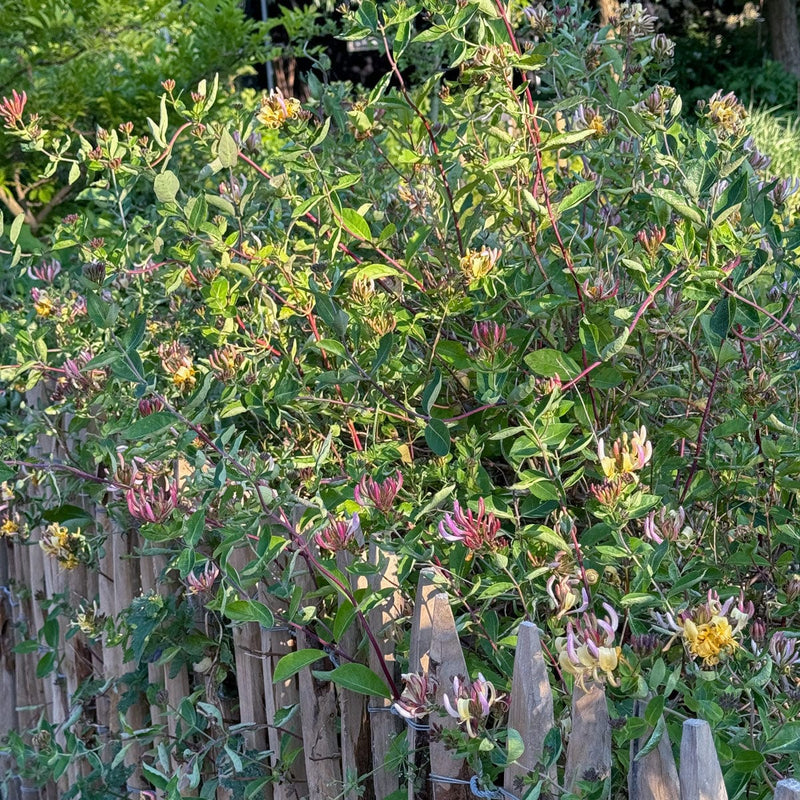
x=653, y=776
x=531, y=711
x=788, y=789
x=700, y=773
x=589, y=748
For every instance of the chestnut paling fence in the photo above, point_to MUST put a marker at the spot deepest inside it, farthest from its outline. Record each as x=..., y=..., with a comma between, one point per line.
x=343, y=734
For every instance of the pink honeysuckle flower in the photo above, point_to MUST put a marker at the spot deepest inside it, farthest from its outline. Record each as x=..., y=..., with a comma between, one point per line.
x=378, y=494
x=152, y=500
x=11, y=109
x=474, y=531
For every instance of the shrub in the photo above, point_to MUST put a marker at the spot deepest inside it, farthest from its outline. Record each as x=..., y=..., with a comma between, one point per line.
x=521, y=323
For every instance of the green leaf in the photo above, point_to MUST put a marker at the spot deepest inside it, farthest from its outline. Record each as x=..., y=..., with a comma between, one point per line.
x=356, y=224
x=45, y=665
x=515, y=747
x=578, y=194
x=722, y=317
x=97, y=309
x=166, y=186
x=16, y=228
x=437, y=436
x=227, y=150
x=292, y=663
x=549, y=363
x=28, y=646
x=358, y=678
x=331, y=346
x=7, y=473
x=675, y=200
x=195, y=526
x=147, y=426
x=431, y=392
x=747, y=760
x=322, y=134
x=613, y=348
x=654, y=739
x=384, y=349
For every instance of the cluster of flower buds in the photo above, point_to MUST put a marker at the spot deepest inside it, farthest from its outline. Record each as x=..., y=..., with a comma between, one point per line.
x=588, y=650
x=150, y=405
x=225, y=363
x=380, y=495
x=490, y=340
x=46, y=271
x=666, y=525
x=94, y=271
x=177, y=361
x=67, y=547
x=611, y=490
x=234, y=189
x=479, y=531
x=709, y=629
x=12, y=108
x=152, y=498
x=477, y=264
x=540, y=19
x=657, y=103
x=418, y=698
x=202, y=583
x=81, y=379
x=473, y=703
x=651, y=239
x=662, y=48
x=627, y=455
x=340, y=535
x=757, y=159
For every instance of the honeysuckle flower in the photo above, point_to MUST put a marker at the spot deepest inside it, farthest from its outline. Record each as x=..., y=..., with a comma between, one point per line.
x=43, y=305
x=64, y=545
x=9, y=528
x=177, y=361
x=201, y=583
x=726, y=113
x=474, y=531
x=709, y=629
x=378, y=494
x=341, y=534
x=588, y=650
x=225, y=363
x=419, y=695
x=633, y=21
x=587, y=118
x=276, y=109
x=472, y=703
x=662, y=47
x=46, y=271
x=12, y=108
x=490, y=339
x=609, y=492
x=89, y=620
x=666, y=525
x=757, y=159
x=477, y=264
x=651, y=238
x=568, y=594
x=783, y=651
x=152, y=499
x=627, y=456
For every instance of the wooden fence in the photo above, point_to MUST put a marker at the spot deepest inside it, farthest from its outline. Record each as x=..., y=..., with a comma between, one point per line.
x=343, y=734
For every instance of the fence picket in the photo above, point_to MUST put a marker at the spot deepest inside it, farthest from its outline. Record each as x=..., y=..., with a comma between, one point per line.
x=700, y=773
x=381, y=619
x=788, y=789
x=531, y=711
x=653, y=776
x=447, y=657
x=589, y=748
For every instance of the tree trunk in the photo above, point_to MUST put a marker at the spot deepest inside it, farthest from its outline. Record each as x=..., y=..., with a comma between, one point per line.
x=781, y=18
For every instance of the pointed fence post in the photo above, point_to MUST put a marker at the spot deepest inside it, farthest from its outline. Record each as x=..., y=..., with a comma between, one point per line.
x=419, y=661
x=589, y=748
x=788, y=789
x=700, y=773
x=531, y=712
x=653, y=776
x=382, y=618
x=447, y=658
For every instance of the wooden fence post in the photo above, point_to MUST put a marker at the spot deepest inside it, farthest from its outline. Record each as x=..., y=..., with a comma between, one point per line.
x=700, y=773
x=419, y=661
x=788, y=789
x=531, y=712
x=381, y=619
x=447, y=658
x=653, y=776
x=589, y=748
x=8, y=689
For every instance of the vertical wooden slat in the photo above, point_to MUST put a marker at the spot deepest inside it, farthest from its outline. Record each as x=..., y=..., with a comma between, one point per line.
x=447, y=658
x=419, y=661
x=531, y=711
x=355, y=723
x=381, y=619
x=319, y=723
x=653, y=776
x=788, y=789
x=589, y=747
x=8, y=688
x=700, y=773
x=249, y=676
